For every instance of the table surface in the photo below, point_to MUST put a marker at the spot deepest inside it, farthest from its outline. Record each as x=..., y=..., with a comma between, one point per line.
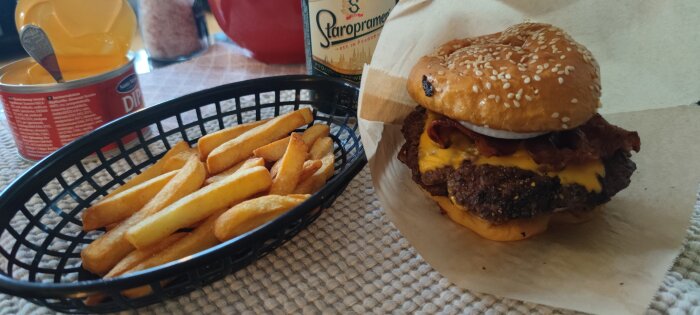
x=352, y=259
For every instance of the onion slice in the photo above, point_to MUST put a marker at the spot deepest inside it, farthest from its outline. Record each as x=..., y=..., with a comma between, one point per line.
x=501, y=134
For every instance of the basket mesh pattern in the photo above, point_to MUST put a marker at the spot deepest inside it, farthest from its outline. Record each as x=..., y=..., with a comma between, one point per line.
x=42, y=238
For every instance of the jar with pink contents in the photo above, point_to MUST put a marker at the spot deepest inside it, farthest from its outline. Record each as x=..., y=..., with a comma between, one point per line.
x=173, y=30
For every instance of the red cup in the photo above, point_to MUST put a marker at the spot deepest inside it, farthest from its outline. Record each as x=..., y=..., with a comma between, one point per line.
x=272, y=30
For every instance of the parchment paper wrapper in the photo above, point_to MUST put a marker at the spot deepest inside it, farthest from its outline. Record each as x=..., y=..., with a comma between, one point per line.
x=612, y=264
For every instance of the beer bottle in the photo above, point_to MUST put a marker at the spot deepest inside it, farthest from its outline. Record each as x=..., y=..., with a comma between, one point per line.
x=341, y=35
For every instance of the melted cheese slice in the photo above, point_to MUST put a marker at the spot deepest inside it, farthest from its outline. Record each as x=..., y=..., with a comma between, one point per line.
x=513, y=230
x=431, y=156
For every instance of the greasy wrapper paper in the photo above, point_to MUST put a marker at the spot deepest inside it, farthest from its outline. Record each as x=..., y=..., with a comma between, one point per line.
x=612, y=264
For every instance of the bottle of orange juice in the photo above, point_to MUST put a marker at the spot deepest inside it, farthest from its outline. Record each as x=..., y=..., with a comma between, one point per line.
x=88, y=37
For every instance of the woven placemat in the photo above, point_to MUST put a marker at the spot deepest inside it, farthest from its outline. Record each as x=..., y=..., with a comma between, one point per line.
x=352, y=259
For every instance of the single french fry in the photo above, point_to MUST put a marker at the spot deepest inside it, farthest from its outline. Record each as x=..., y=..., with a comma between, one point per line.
x=318, y=179
x=241, y=147
x=272, y=151
x=314, y=133
x=250, y=214
x=307, y=170
x=94, y=299
x=153, y=171
x=209, y=142
x=106, y=251
x=199, y=205
x=275, y=169
x=177, y=161
x=198, y=240
x=122, y=205
x=249, y=163
x=321, y=148
x=290, y=166
x=275, y=150
x=310, y=167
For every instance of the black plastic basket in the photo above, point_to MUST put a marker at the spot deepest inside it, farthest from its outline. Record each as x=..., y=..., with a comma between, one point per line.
x=40, y=227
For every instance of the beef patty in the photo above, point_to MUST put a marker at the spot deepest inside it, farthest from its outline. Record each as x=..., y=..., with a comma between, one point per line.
x=499, y=194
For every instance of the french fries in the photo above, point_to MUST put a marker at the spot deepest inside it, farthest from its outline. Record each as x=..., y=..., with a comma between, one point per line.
x=200, y=239
x=122, y=205
x=106, y=251
x=250, y=214
x=320, y=148
x=177, y=161
x=209, y=142
x=241, y=147
x=249, y=163
x=133, y=259
x=275, y=150
x=290, y=166
x=318, y=179
x=153, y=171
x=199, y=205
x=310, y=167
x=217, y=191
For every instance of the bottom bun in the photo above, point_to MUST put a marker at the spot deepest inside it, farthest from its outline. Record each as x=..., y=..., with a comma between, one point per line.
x=513, y=230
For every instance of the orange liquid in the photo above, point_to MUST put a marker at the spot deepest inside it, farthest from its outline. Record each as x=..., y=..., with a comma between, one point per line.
x=88, y=37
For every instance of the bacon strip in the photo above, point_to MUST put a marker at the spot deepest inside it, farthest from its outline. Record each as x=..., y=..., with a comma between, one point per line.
x=440, y=130
x=596, y=139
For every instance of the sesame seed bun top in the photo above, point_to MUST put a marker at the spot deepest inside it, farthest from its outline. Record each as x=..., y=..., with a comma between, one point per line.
x=529, y=78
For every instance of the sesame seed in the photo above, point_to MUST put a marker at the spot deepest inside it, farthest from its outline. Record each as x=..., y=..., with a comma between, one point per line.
x=478, y=73
x=506, y=85
x=561, y=80
x=536, y=77
x=568, y=48
x=510, y=95
x=488, y=85
x=562, y=57
x=498, y=98
x=493, y=78
x=555, y=115
x=516, y=103
x=491, y=96
x=565, y=119
x=528, y=97
x=565, y=126
x=482, y=103
x=508, y=76
x=546, y=65
x=526, y=80
x=475, y=88
x=573, y=100
x=506, y=105
x=441, y=72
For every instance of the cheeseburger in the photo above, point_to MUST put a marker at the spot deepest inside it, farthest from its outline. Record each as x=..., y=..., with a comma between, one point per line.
x=506, y=138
